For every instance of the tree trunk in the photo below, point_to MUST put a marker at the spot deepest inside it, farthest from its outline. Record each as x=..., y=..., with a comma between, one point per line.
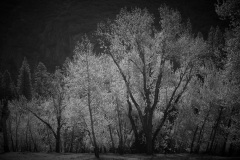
x=210, y=138
x=231, y=149
x=199, y=142
x=33, y=141
x=57, y=149
x=49, y=141
x=26, y=136
x=149, y=142
x=216, y=127
x=5, y=135
x=71, y=144
x=11, y=135
x=110, y=131
x=136, y=135
x=226, y=137
x=148, y=133
x=13, y=147
x=120, y=147
x=96, y=150
x=5, y=114
x=58, y=136
x=16, y=131
x=193, y=140
x=159, y=128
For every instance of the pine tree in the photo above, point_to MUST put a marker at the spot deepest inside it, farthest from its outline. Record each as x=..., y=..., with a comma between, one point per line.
x=210, y=40
x=189, y=27
x=24, y=81
x=219, y=53
x=218, y=38
x=6, y=95
x=41, y=80
x=215, y=47
x=200, y=35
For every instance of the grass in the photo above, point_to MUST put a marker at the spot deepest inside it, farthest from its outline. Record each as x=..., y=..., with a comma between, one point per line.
x=88, y=156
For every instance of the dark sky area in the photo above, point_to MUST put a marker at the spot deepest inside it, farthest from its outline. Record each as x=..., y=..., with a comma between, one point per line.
x=45, y=30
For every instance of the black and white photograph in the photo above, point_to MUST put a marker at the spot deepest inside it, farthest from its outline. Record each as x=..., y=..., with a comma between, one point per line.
x=119, y=79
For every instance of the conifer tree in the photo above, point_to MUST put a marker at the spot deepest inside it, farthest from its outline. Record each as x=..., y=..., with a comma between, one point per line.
x=218, y=38
x=41, y=80
x=6, y=95
x=24, y=81
x=210, y=40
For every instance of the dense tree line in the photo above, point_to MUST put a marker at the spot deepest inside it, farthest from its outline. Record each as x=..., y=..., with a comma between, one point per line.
x=152, y=89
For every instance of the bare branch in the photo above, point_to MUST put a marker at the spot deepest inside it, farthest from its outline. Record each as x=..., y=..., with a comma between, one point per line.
x=46, y=123
x=128, y=88
x=157, y=86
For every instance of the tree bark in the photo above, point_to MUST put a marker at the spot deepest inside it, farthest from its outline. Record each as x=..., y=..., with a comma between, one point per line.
x=58, y=135
x=148, y=134
x=226, y=138
x=120, y=147
x=57, y=147
x=210, y=138
x=193, y=140
x=33, y=141
x=110, y=131
x=216, y=128
x=136, y=135
x=71, y=144
x=199, y=142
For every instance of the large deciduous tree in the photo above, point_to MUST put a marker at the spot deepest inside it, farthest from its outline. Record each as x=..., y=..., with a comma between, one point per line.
x=155, y=65
x=83, y=81
x=229, y=9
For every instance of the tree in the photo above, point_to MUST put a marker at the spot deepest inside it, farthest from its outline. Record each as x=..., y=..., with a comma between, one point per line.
x=81, y=71
x=6, y=95
x=150, y=61
x=215, y=45
x=41, y=81
x=53, y=106
x=24, y=83
x=230, y=10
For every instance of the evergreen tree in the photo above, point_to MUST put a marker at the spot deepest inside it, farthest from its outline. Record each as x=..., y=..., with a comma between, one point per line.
x=218, y=38
x=41, y=80
x=210, y=40
x=219, y=53
x=189, y=27
x=24, y=81
x=6, y=95
x=215, y=43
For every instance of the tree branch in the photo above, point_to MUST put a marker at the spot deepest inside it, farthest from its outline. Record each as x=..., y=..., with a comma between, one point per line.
x=128, y=88
x=46, y=123
x=157, y=86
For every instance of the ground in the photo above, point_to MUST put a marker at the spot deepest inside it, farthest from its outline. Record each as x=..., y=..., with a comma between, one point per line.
x=82, y=156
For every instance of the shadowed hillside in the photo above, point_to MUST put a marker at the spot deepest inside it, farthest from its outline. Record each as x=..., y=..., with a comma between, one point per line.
x=47, y=30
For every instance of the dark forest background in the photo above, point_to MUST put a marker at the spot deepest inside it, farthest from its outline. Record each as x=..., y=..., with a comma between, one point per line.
x=47, y=31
